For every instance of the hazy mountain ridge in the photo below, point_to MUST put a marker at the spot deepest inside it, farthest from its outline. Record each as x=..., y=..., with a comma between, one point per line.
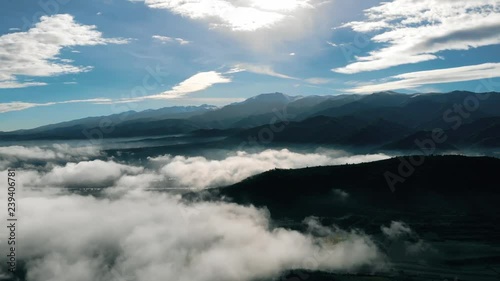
x=389, y=120
x=175, y=112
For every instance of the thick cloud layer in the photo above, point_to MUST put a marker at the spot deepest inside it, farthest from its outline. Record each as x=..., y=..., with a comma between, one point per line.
x=17, y=155
x=148, y=236
x=64, y=166
x=200, y=172
x=128, y=233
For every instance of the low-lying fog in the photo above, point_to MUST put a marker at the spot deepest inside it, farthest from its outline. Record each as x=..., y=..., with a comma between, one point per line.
x=133, y=232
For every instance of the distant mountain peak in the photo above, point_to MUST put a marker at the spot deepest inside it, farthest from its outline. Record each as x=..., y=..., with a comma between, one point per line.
x=275, y=95
x=387, y=93
x=270, y=97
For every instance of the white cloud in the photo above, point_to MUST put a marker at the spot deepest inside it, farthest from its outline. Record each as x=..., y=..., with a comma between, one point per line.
x=437, y=76
x=268, y=70
x=166, y=39
x=17, y=105
x=95, y=173
x=332, y=44
x=200, y=172
x=36, y=51
x=260, y=69
x=163, y=39
x=103, y=238
x=318, y=80
x=396, y=230
x=280, y=5
x=14, y=156
x=14, y=84
x=60, y=176
x=406, y=241
x=182, y=41
x=235, y=70
x=198, y=82
x=149, y=236
x=265, y=27
x=56, y=151
x=247, y=15
x=172, y=172
x=184, y=172
x=416, y=31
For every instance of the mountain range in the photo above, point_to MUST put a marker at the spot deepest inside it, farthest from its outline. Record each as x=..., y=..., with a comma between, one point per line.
x=386, y=120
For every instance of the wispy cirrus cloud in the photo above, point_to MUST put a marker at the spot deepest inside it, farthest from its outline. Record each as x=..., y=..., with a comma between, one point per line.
x=196, y=83
x=319, y=80
x=437, y=76
x=36, y=52
x=166, y=39
x=19, y=105
x=417, y=31
x=262, y=69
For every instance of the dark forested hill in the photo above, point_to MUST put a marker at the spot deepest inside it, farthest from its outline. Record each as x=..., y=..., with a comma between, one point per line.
x=445, y=183
x=444, y=207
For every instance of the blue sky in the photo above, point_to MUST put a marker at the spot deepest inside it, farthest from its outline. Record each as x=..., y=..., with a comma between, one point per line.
x=67, y=59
